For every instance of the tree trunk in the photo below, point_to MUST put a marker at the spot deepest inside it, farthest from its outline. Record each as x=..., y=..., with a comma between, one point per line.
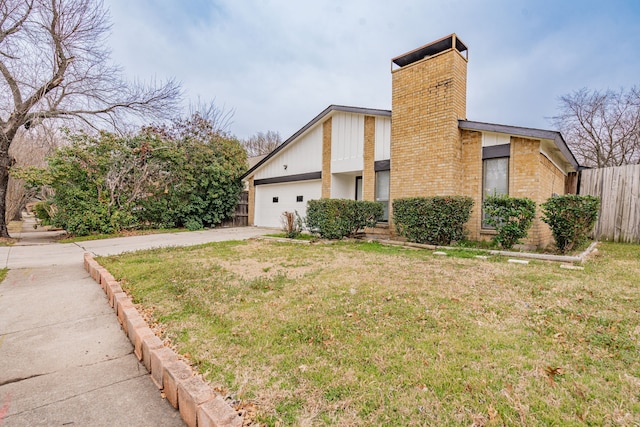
x=5, y=162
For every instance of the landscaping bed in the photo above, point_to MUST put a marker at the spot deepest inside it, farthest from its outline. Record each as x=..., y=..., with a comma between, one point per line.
x=357, y=333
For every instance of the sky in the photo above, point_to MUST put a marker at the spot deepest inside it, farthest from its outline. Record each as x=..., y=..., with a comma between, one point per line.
x=276, y=64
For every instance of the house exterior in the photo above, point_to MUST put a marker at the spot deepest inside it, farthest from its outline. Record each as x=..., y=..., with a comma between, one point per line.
x=424, y=146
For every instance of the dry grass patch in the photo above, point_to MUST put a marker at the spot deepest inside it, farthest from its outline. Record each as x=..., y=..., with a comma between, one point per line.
x=363, y=334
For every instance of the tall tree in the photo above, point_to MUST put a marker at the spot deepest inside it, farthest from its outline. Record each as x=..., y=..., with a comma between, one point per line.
x=262, y=143
x=55, y=65
x=602, y=128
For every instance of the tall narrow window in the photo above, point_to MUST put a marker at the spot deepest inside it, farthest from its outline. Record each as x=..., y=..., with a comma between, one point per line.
x=495, y=180
x=358, y=188
x=382, y=192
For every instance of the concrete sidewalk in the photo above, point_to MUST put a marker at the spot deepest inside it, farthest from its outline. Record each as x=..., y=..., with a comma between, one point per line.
x=40, y=252
x=64, y=359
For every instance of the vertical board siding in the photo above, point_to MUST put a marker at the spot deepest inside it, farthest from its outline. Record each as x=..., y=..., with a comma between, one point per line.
x=347, y=142
x=383, y=139
x=304, y=155
x=619, y=191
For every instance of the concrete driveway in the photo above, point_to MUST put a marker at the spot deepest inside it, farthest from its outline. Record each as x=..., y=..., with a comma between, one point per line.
x=63, y=358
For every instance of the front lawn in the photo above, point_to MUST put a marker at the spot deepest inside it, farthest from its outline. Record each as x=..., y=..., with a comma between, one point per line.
x=365, y=334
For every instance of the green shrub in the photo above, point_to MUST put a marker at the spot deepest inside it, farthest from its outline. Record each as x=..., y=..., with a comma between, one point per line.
x=436, y=220
x=511, y=216
x=571, y=218
x=338, y=218
x=42, y=212
x=193, y=224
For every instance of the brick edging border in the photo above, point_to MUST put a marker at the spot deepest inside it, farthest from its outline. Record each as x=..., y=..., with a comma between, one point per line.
x=187, y=392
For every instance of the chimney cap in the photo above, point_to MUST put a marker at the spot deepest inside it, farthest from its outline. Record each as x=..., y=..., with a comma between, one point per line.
x=449, y=42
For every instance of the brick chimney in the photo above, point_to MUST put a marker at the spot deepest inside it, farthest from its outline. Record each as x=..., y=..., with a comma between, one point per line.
x=429, y=87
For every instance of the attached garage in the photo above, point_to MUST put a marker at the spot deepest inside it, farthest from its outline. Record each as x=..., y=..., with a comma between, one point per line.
x=271, y=200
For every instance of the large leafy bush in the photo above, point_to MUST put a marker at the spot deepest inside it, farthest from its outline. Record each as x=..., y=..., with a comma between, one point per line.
x=338, y=218
x=571, y=218
x=186, y=174
x=95, y=182
x=511, y=216
x=203, y=182
x=437, y=220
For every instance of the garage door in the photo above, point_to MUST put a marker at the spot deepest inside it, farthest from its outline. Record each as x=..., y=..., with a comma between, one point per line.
x=274, y=199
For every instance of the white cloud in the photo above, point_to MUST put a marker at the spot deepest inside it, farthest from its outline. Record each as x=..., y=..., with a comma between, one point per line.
x=279, y=63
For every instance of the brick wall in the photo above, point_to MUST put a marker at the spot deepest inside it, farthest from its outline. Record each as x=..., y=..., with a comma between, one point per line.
x=428, y=98
x=552, y=180
x=326, y=159
x=524, y=180
x=531, y=175
x=524, y=177
x=534, y=176
x=369, y=174
x=471, y=179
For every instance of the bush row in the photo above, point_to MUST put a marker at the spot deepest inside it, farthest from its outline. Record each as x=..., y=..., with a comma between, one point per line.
x=440, y=220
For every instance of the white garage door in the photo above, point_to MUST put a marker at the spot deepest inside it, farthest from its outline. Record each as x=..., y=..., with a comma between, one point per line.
x=274, y=199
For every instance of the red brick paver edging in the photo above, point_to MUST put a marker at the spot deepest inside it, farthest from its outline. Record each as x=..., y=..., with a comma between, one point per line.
x=186, y=391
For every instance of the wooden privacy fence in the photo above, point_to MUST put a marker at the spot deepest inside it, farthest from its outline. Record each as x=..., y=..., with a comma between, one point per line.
x=619, y=191
x=240, y=217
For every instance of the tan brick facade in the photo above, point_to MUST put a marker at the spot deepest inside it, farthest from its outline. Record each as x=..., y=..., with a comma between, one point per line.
x=552, y=181
x=524, y=176
x=326, y=159
x=532, y=175
x=368, y=173
x=471, y=180
x=428, y=99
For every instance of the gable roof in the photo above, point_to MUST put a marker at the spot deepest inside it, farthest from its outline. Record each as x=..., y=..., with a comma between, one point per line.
x=326, y=112
x=552, y=135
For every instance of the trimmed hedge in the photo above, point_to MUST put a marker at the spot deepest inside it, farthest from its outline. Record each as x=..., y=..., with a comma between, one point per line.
x=571, y=218
x=511, y=216
x=437, y=220
x=338, y=218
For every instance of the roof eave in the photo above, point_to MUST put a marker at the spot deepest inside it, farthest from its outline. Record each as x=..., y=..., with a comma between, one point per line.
x=552, y=135
x=326, y=112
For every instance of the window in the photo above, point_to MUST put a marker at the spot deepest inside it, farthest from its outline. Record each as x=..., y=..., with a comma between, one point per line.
x=275, y=200
x=299, y=198
x=382, y=192
x=495, y=180
x=358, y=188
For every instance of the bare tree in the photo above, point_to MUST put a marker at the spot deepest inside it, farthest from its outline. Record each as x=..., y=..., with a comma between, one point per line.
x=602, y=128
x=55, y=65
x=262, y=143
x=219, y=119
